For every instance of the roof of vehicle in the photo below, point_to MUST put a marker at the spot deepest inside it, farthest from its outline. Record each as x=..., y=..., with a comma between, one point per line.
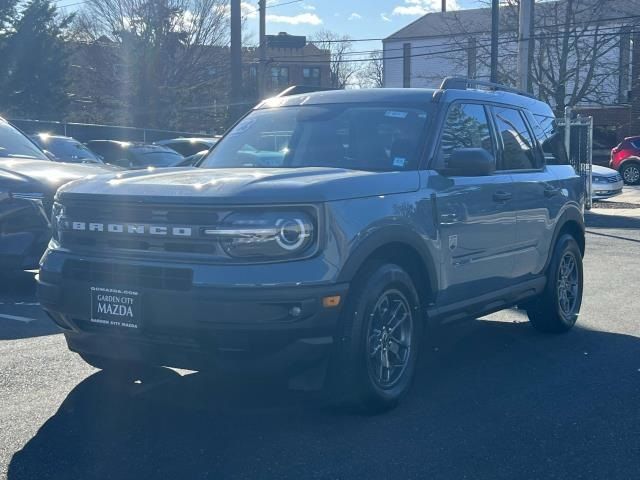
x=134, y=145
x=47, y=136
x=407, y=95
x=188, y=140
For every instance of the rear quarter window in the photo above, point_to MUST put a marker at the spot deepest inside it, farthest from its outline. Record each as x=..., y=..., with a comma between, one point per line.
x=551, y=138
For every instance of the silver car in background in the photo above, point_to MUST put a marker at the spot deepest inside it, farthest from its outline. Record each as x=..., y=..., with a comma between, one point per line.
x=606, y=182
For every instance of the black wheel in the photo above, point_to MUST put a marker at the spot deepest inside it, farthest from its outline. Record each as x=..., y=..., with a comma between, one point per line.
x=630, y=172
x=375, y=360
x=557, y=309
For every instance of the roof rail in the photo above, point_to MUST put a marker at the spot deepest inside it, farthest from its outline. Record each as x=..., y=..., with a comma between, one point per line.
x=463, y=83
x=298, y=89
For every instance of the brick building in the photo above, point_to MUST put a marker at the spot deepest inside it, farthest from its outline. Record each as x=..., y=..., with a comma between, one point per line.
x=104, y=87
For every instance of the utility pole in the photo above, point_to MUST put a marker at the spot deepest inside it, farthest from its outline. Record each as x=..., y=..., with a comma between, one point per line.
x=524, y=44
x=236, y=59
x=444, y=6
x=262, y=66
x=495, y=32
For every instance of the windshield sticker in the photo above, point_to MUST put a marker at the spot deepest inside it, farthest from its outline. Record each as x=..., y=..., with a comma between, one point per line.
x=399, y=162
x=395, y=114
x=243, y=126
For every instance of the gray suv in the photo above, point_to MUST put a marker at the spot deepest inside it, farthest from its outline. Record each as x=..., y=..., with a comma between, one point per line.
x=321, y=237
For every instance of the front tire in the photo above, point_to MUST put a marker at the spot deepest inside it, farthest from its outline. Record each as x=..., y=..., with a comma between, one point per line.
x=557, y=309
x=630, y=172
x=375, y=361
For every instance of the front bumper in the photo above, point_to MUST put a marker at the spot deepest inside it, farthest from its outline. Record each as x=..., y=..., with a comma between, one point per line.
x=606, y=190
x=24, y=234
x=192, y=325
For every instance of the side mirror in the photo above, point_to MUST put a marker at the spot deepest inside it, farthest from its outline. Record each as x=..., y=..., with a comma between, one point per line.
x=471, y=162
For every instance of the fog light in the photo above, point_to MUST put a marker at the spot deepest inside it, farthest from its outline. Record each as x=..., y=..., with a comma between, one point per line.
x=331, y=302
x=295, y=311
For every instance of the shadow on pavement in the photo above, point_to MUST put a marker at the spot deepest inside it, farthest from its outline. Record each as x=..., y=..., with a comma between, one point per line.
x=599, y=220
x=20, y=314
x=491, y=400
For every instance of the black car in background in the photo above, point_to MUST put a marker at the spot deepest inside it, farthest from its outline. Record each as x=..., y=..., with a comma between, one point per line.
x=28, y=183
x=189, y=146
x=65, y=149
x=133, y=156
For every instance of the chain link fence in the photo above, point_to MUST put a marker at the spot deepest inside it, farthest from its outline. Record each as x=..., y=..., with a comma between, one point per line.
x=578, y=138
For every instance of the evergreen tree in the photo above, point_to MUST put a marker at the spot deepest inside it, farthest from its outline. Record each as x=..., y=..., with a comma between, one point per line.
x=35, y=61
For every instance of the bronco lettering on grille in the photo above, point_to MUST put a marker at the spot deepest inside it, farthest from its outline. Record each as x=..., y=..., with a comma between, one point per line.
x=132, y=229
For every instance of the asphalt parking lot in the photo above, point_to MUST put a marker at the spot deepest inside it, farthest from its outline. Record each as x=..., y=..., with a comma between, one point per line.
x=493, y=399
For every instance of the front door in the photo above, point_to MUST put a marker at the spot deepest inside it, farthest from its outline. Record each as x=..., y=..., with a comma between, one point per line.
x=476, y=217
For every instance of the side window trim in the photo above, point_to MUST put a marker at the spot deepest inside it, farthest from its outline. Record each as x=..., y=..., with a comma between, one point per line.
x=527, y=116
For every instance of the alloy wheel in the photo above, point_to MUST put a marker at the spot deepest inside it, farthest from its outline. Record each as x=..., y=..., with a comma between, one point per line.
x=568, y=288
x=389, y=337
x=631, y=174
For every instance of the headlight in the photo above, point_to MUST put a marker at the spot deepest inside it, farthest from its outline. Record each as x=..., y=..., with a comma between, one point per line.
x=266, y=235
x=57, y=217
x=598, y=179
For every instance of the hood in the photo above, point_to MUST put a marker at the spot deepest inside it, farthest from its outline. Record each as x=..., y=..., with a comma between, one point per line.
x=247, y=185
x=43, y=174
x=603, y=171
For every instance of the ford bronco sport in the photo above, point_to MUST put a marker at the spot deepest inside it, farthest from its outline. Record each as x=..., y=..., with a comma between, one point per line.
x=325, y=231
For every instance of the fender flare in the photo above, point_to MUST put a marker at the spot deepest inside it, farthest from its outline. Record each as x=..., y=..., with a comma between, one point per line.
x=393, y=234
x=570, y=214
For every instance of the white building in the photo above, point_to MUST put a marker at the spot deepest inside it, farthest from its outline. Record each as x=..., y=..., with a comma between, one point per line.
x=457, y=43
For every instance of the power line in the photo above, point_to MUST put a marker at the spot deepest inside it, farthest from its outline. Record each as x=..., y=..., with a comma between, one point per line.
x=436, y=45
x=274, y=5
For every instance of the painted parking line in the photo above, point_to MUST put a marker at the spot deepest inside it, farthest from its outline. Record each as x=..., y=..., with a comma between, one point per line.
x=22, y=304
x=17, y=318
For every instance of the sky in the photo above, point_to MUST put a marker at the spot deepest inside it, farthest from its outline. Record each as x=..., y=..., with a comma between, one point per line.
x=356, y=18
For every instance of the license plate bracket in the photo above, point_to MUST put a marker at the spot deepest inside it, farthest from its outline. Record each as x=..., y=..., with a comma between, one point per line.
x=116, y=308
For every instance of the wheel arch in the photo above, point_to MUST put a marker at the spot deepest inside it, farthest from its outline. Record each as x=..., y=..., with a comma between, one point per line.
x=571, y=222
x=401, y=247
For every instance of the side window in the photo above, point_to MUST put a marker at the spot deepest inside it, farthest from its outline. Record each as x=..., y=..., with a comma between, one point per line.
x=466, y=126
x=518, y=146
x=552, y=140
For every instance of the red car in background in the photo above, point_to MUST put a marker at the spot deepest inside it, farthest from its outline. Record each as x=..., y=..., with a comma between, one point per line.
x=625, y=158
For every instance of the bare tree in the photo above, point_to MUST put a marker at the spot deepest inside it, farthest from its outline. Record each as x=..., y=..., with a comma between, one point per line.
x=343, y=71
x=371, y=75
x=167, y=53
x=576, y=48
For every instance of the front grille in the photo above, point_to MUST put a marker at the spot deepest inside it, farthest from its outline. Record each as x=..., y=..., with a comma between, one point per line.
x=196, y=218
x=614, y=178
x=128, y=276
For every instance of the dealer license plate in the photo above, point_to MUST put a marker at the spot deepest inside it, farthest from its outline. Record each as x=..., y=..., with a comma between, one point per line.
x=114, y=307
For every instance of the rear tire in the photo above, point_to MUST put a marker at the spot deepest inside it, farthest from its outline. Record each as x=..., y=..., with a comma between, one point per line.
x=630, y=172
x=557, y=309
x=375, y=358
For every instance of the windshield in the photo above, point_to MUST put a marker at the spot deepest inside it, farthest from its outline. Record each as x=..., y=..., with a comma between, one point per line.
x=67, y=150
x=164, y=158
x=14, y=144
x=360, y=137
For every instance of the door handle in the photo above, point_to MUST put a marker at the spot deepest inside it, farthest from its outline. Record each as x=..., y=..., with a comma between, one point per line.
x=502, y=196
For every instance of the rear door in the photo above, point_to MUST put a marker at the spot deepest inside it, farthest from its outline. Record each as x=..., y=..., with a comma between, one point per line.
x=537, y=197
x=476, y=217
